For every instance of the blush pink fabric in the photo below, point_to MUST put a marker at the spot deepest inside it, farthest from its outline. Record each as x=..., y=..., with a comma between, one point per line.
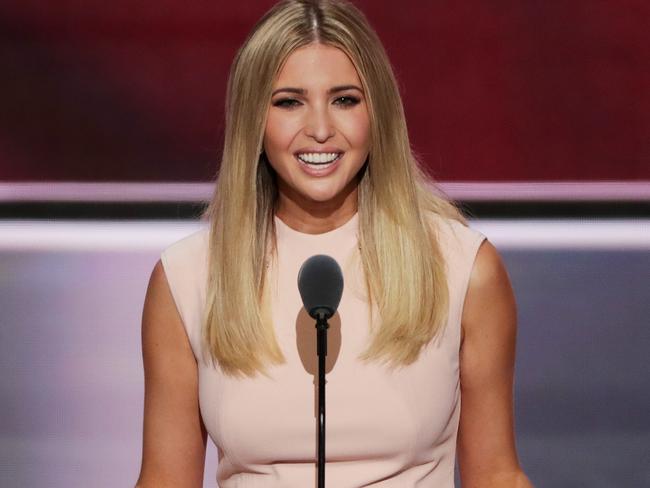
x=385, y=428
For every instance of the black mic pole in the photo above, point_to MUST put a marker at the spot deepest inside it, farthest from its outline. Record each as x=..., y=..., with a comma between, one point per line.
x=320, y=282
x=321, y=347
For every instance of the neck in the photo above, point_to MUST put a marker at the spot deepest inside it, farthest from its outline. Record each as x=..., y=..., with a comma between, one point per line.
x=313, y=217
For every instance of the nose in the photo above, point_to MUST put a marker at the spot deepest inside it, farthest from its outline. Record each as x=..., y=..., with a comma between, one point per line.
x=319, y=124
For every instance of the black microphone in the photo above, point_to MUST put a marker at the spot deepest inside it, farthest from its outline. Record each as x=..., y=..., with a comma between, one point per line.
x=320, y=282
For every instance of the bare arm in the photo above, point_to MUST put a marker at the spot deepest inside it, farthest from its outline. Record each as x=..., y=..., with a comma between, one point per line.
x=174, y=437
x=487, y=455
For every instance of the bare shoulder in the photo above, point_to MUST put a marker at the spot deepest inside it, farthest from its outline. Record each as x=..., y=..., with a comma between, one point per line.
x=173, y=452
x=162, y=325
x=158, y=291
x=489, y=292
x=489, y=269
x=159, y=302
x=486, y=444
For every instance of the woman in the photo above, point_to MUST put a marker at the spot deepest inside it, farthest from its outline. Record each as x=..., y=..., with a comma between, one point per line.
x=317, y=161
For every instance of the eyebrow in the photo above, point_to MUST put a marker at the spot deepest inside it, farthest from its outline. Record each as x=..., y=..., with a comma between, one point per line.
x=302, y=91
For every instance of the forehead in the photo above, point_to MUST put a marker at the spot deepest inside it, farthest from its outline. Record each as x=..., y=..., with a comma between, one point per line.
x=317, y=64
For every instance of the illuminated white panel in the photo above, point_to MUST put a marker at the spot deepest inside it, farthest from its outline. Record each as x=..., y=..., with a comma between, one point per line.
x=31, y=235
x=548, y=191
x=105, y=192
x=155, y=235
x=566, y=234
x=202, y=192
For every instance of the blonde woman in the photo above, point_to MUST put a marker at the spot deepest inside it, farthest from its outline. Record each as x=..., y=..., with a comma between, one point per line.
x=317, y=161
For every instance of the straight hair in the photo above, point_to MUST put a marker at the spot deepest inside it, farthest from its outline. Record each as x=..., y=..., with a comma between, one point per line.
x=396, y=201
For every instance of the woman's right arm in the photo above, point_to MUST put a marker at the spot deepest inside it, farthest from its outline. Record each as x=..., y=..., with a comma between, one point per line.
x=174, y=437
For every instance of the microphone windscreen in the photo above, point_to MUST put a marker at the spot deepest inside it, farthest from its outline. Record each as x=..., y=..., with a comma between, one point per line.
x=320, y=282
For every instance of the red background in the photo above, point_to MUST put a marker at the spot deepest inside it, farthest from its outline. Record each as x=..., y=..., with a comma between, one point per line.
x=499, y=90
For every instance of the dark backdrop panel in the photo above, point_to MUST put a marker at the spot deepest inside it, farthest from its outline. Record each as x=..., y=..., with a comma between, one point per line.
x=501, y=90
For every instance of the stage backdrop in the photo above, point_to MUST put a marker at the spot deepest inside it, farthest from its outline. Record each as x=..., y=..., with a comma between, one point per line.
x=500, y=90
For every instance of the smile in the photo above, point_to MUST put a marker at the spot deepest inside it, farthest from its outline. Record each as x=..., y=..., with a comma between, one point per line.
x=330, y=162
x=319, y=158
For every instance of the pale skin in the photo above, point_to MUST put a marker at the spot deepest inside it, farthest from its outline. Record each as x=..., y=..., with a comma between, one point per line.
x=317, y=104
x=174, y=437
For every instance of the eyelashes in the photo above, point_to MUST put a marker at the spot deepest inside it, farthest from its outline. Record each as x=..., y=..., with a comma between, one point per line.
x=345, y=101
x=286, y=103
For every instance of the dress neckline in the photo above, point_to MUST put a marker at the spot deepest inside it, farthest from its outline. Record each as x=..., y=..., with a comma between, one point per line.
x=348, y=228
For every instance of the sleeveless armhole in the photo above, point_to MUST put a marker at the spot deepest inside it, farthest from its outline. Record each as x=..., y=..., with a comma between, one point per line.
x=473, y=244
x=459, y=245
x=184, y=266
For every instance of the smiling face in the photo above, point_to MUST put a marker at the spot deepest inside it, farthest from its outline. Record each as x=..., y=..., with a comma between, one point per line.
x=317, y=134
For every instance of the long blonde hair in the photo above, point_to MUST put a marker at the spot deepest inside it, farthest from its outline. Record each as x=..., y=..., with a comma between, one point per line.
x=398, y=246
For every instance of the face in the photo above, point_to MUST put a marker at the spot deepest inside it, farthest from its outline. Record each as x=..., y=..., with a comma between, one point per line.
x=317, y=134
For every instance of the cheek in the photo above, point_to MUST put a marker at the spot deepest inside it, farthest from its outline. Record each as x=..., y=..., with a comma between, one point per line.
x=270, y=136
x=279, y=132
x=277, y=138
x=357, y=130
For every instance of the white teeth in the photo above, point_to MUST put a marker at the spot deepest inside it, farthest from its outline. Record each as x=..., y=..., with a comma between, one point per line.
x=318, y=158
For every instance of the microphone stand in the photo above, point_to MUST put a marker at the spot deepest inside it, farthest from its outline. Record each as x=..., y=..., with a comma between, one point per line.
x=321, y=347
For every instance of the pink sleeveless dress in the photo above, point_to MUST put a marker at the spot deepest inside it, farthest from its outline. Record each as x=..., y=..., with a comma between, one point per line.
x=384, y=428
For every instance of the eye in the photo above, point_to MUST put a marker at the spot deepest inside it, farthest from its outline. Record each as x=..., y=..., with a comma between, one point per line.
x=286, y=103
x=347, y=101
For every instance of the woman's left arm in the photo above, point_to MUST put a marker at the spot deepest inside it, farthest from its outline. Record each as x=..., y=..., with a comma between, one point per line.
x=487, y=456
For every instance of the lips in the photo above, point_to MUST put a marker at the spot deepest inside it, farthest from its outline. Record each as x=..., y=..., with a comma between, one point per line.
x=318, y=157
x=319, y=169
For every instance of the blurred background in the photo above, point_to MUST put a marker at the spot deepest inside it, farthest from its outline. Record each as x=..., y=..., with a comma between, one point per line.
x=535, y=116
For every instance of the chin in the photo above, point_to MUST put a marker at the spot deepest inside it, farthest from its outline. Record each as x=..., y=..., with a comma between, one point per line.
x=320, y=196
